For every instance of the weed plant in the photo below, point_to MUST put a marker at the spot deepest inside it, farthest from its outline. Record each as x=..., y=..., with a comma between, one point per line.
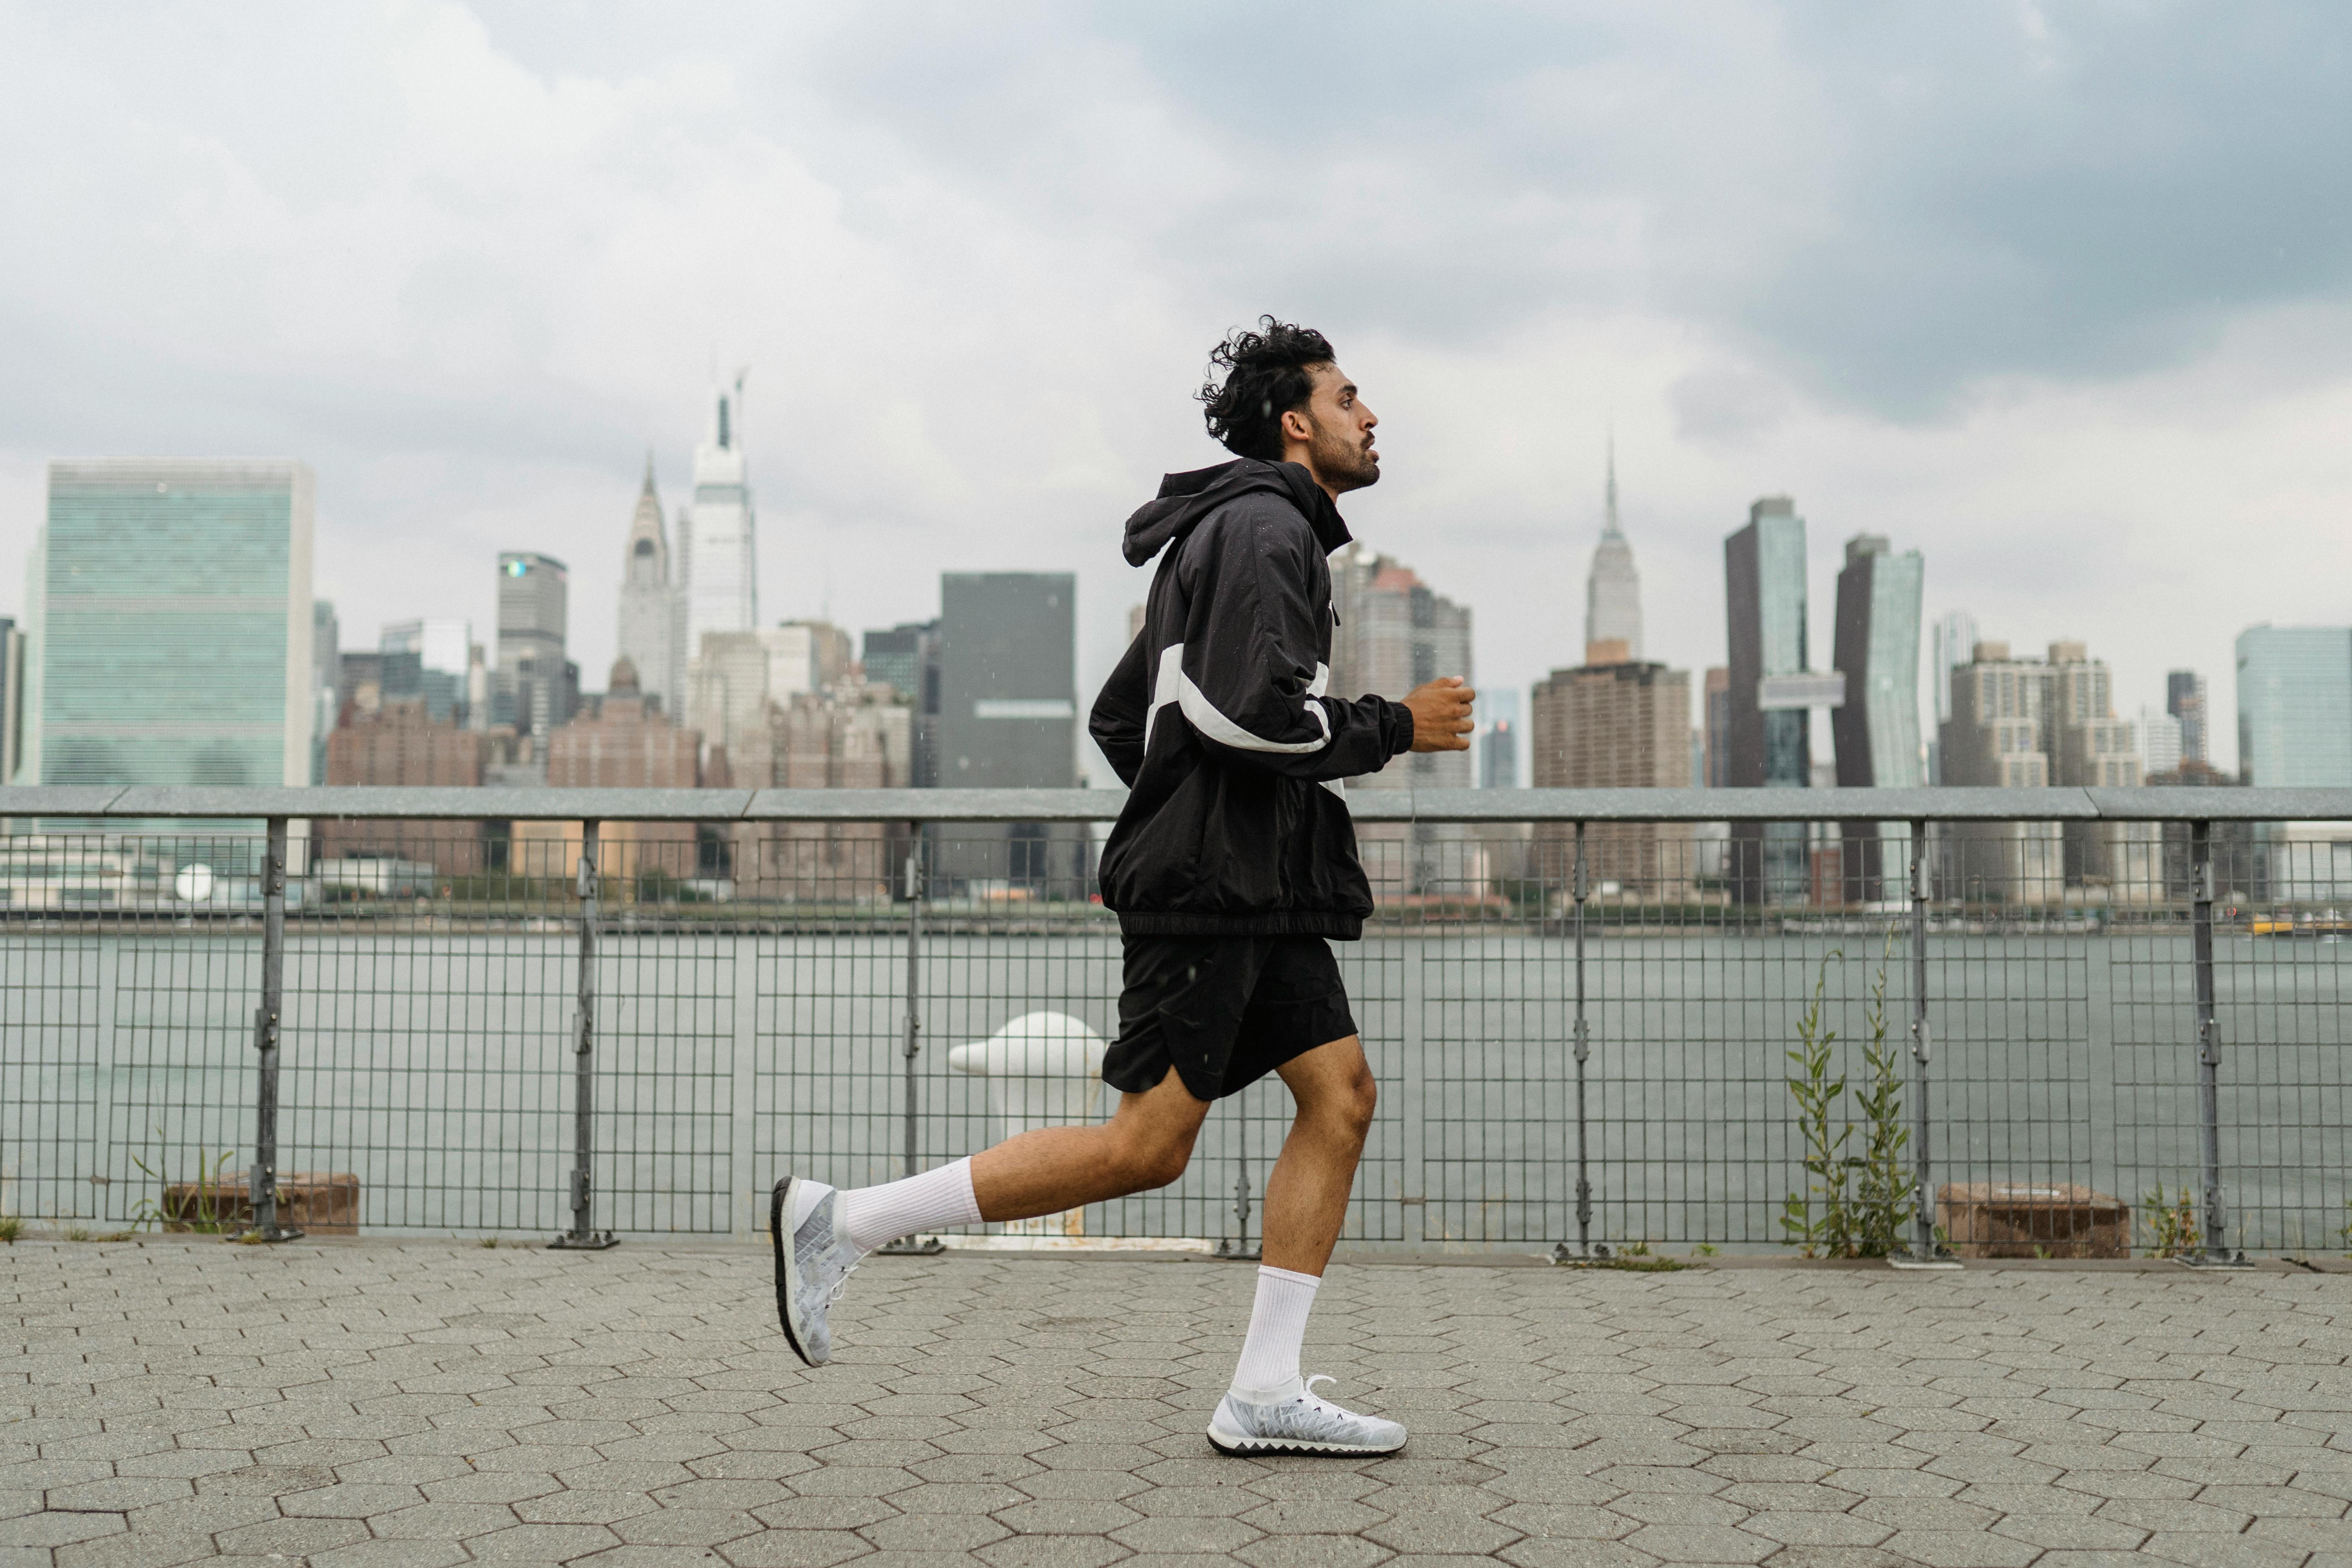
x=2172, y=1222
x=1853, y=1205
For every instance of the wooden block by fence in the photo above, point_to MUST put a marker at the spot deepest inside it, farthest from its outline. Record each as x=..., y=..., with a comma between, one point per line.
x=2026, y=1219
x=316, y=1202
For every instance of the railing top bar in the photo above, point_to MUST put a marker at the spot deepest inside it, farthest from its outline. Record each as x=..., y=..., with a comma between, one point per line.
x=1731, y=804
x=364, y=801
x=2222, y=804
x=147, y=800
x=935, y=804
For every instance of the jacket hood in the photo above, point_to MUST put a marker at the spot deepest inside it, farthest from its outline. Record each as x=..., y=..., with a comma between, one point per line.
x=1185, y=498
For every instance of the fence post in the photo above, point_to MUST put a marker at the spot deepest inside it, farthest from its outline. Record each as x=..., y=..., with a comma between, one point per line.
x=912, y=1044
x=1578, y=886
x=1926, y=1251
x=262, y=1180
x=583, y=1237
x=2212, y=1250
x=1238, y=1247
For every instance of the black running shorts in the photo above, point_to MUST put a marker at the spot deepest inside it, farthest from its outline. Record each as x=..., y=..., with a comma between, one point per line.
x=1224, y=1011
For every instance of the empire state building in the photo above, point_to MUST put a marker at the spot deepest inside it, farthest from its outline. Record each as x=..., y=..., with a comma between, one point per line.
x=1612, y=593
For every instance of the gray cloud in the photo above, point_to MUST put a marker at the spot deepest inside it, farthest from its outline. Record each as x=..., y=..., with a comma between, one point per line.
x=2015, y=285
x=1889, y=203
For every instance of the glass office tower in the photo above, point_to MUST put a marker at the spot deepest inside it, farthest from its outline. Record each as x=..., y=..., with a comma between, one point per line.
x=171, y=625
x=1876, y=648
x=2294, y=706
x=1764, y=579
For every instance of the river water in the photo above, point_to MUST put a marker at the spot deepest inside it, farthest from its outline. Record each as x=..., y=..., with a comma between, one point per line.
x=439, y=1068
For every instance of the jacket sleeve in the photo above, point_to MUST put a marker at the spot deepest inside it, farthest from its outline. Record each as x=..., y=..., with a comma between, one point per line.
x=1117, y=722
x=1248, y=681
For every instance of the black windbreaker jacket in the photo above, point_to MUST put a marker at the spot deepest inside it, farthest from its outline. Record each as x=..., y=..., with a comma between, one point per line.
x=1217, y=720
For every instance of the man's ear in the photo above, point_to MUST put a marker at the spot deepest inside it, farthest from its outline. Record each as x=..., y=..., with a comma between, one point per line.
x=1297, y=425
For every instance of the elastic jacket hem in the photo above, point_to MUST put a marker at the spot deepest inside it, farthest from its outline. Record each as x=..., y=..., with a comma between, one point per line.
x=1277, y=923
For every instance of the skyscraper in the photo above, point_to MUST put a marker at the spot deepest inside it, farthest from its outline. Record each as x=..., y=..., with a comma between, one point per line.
x=1009, y=715
x=905, y=657
x=535, y=687
x=1008, y=679
x=1395, y=632
x=1624, y=724
x=11, y=696
x=170, y=617
x=2159, y=743
x=1955, y=642
x=651, y=635
x=717, y=558
x=442, y=647
x=1999, y=736
x=1498, y=742
x=1612, y=590
x=326, y=680
x=1717, y=746
x=2185, y=698
x=2294, y=706
x=1956, y=645
x=1770, y=740
x=1876, y=648
x=2093, y=749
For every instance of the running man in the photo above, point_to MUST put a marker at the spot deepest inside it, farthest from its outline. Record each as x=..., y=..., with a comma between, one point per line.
x=1232, y=868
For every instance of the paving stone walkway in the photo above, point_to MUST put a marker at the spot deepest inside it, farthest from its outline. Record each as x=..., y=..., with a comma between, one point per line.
x=379, y=1405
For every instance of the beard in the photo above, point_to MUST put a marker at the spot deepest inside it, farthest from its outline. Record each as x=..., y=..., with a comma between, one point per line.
x=1343, y=463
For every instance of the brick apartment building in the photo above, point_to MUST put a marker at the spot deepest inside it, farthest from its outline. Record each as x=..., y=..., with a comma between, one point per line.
x=397, y=744
x=626, y=741
x=1615, y=722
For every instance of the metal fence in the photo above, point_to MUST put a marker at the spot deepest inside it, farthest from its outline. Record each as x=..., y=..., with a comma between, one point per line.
x=1917, y=1023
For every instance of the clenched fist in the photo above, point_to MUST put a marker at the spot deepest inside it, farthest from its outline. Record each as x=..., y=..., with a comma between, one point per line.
x=1440, y=715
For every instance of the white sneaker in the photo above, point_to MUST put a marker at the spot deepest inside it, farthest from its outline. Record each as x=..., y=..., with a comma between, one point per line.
x=812, y=1263
x=1294, y=1421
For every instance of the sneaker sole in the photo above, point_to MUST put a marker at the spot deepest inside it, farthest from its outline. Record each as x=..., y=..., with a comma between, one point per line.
x=1235, y=1446
x=780, y=1204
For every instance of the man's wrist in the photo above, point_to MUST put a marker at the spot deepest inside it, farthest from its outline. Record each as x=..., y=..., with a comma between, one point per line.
x=1402, y=741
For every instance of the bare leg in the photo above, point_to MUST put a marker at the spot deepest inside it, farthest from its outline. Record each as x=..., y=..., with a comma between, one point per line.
x=1307, y=1196
x=1147, y=1144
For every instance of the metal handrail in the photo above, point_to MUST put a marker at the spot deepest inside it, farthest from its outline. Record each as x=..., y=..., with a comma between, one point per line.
x=149, y=801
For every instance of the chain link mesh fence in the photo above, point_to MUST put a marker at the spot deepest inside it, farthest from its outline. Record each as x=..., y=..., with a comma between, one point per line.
x=1612, y=1036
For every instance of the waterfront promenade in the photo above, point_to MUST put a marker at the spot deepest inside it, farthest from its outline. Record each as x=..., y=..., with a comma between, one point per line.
x=408, y=1405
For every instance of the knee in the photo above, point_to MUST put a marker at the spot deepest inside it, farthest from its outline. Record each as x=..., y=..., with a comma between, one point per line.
x=1145, y=1160
x=1352, y=1101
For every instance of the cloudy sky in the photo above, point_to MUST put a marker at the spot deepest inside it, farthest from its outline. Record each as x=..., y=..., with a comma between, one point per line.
x=2059, y=294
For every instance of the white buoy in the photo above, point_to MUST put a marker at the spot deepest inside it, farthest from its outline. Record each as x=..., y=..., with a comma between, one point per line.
x=1043, y=1069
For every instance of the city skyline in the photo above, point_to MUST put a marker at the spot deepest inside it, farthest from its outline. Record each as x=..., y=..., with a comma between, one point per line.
x=434, y=641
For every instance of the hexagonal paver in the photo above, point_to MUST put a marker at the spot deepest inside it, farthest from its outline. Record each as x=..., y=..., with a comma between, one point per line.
x=1185, y=1533
x=793, y=1549
x=1313, y=1552
x=638, y=1409
x=1700, y=1543
x=685, y=1527
x=934, y=1533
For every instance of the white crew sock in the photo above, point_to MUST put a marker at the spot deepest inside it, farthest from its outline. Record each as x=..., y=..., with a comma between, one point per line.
x=877, y=1215
x=1278, y=1328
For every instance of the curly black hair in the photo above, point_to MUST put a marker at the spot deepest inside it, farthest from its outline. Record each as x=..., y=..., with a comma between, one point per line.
x=1266, y=378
